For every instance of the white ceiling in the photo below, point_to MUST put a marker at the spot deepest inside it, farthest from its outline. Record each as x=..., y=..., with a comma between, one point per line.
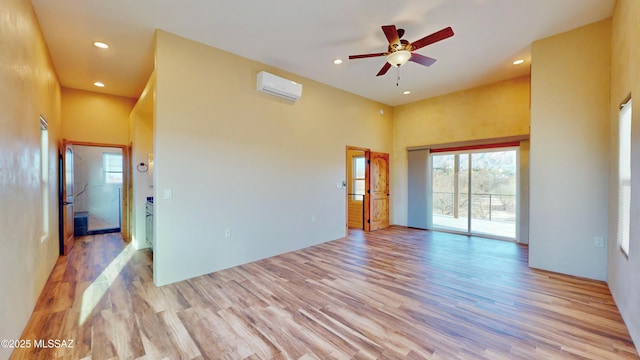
x=304, y=37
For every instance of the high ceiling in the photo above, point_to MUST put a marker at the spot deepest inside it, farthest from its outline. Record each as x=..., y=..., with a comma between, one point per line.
x=304, y=37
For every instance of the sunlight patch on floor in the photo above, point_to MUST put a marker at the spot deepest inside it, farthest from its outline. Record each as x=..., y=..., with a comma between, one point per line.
x=94, y=293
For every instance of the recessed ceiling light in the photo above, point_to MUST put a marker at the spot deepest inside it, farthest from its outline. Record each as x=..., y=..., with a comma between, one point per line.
x=407, y=92
x=337, y=61
x=98, y=84
x=100, y=45
x=518, y=62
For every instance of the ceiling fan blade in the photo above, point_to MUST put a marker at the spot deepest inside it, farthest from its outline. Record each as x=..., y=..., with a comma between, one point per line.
x=391, y=33
x=384, y=69
x=351, y=57
x=430, y=39
x=422, y=60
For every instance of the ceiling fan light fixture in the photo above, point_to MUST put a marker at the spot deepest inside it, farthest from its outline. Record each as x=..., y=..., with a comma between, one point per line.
x=399, y=58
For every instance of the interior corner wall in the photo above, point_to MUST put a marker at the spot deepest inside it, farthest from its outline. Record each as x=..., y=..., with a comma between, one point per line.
x=141, y=133
x=29, y=88
x=95, y=118
x=491, y=111
x=228, y=157
x=624, y=273
x=569, y=156
x=142, y=183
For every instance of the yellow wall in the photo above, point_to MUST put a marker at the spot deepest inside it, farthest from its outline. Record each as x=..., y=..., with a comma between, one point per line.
x=491, y=111
x=28, y=88
x=570, y=151
x=94, y=117
x=239, y=159
x=623, y=273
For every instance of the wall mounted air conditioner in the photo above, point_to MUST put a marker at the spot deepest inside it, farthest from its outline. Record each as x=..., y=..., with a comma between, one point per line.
x=275, y=85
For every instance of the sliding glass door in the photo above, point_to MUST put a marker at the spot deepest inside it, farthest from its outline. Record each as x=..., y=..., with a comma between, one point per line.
x=475, y=192
x=450, y=174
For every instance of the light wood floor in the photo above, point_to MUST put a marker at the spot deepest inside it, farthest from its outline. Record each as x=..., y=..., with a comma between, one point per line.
x=397, y=293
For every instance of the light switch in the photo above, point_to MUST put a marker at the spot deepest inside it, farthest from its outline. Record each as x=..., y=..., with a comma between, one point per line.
x=168, y=194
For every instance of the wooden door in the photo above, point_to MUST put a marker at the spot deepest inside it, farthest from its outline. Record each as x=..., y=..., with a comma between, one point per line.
x=378, y=191
x=67, y=198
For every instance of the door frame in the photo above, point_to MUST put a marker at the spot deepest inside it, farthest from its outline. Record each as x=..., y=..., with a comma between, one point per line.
x=367, y=187
x=126, y=181
x=365, y=198
x=65, y=214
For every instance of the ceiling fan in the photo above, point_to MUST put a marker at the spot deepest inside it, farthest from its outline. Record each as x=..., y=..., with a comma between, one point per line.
x=400, y=50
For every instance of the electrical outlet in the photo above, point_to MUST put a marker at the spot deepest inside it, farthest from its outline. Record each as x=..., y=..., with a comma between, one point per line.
x=227, y=233
x=598, y=241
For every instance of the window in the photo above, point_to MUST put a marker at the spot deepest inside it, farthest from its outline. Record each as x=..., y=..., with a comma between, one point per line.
x=358, y=177
x=112, y=167
x=624, y=176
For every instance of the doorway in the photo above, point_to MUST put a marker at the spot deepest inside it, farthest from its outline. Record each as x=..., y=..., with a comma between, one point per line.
x=356, y=178
x=367, y=188
x=103, y=183
x=475, y=191
x=98, y=184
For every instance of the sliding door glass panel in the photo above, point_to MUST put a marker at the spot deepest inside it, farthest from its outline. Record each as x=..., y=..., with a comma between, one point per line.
x=493, y=193
x=462, y=192
x=450, y=174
